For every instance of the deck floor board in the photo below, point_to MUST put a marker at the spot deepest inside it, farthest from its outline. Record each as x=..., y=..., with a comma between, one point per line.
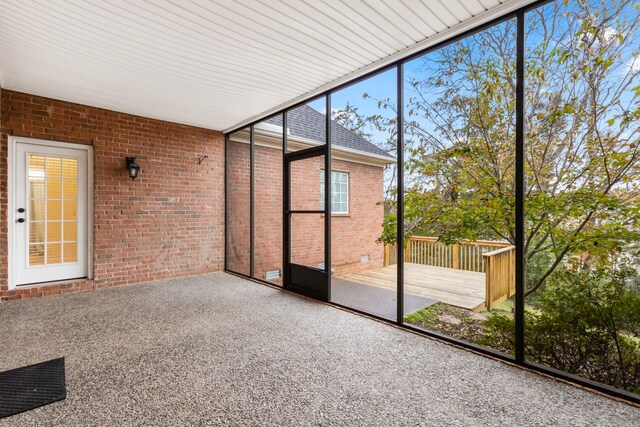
x=464, y=289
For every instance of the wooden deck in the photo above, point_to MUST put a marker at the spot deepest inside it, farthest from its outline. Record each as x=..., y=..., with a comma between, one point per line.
x=464, y=289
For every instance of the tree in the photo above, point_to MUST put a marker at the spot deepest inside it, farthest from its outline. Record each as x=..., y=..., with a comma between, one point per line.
x=582, y=113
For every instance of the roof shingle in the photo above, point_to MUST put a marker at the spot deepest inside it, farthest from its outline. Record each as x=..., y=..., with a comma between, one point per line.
x=306, y=122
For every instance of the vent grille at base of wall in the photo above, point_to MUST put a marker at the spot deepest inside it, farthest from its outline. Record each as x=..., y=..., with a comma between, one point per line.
x=272, y=275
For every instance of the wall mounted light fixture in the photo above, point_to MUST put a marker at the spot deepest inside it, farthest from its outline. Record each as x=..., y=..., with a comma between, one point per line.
x=133, y=168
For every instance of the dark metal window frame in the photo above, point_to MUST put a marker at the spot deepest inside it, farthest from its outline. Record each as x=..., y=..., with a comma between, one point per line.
x=519, y=358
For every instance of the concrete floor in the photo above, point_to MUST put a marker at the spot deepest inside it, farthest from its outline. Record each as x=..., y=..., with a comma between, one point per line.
x=219, y=350
x=375, y=300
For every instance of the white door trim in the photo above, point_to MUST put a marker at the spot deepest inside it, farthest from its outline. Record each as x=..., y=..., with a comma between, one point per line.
x=11, y=194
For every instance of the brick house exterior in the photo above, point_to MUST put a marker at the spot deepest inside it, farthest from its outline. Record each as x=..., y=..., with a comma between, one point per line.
x=168, y=223
x=354, y=233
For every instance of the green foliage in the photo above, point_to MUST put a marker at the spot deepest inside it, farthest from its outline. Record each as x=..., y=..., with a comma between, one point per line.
x=586, y=323
x=582, y=158
x=582, y=175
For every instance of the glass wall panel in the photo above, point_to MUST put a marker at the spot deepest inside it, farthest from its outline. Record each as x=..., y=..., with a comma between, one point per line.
x=582, y=178
x=459, y=190
x=239, y=199
x=363, y=196
x=268, y=167
x=307, y=125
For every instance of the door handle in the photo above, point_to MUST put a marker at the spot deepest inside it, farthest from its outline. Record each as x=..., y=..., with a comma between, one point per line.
x=21, y=210
x=20, y=220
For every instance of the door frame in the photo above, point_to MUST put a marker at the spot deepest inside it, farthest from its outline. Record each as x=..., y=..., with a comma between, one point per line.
x=11, y=203
x=318, y=282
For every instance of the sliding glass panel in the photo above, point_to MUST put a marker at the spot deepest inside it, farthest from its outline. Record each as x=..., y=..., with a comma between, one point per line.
x=268, y=166
x=239, y=197
x=363, y=190
x=582, y=200
x=307, y=125
x=460, y=187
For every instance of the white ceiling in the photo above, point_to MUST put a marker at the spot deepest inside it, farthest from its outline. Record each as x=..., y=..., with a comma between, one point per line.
x=214, y=63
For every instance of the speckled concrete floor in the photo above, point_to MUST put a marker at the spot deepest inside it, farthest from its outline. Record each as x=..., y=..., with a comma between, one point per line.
x=219, y=350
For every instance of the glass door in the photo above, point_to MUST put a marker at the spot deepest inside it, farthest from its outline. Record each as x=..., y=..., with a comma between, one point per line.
x=50, y=232
x=304, y=215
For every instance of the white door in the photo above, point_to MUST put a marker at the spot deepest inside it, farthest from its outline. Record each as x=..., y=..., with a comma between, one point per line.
x=49, y=213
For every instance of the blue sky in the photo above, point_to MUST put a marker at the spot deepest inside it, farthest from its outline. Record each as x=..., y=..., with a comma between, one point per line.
x=383, y=85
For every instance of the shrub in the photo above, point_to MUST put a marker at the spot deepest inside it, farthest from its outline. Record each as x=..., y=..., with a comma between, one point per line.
x=585, y=322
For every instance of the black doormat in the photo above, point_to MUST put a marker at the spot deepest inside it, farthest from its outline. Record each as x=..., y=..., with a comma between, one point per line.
x=31, y=386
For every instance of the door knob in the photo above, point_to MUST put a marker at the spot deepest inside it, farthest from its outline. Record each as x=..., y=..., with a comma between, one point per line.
x=20, y=220
x=21, y=210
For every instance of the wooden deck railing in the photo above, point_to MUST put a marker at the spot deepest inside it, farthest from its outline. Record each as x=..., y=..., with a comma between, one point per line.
x=500, y=278
x=495, y=259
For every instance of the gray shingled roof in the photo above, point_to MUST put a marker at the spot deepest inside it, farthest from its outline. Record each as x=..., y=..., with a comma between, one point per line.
x=306, y=122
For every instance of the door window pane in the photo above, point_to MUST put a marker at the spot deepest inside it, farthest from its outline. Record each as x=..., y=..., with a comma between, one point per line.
x=307, y=240
x=47, y=209
x=36, y=232
x=54, y=253
x=54, y=210
x=54, y=231
x=70, y=231
x=36, y=188
x=36, y=210
x=36, y=255
x=54, y=189
x=70, y=252
x=70, y=189
x=53, y=167
x=36, y=166
x=304, y=189
x=69, y=168
x=70, y=211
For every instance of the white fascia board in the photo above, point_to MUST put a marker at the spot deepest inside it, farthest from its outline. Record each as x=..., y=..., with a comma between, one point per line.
x=273, y=139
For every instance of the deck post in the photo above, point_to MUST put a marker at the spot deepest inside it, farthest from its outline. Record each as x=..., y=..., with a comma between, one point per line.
x=488, y=279
x=455, y=263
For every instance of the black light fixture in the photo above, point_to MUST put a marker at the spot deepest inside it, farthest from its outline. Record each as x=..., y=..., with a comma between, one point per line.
x=132, y=167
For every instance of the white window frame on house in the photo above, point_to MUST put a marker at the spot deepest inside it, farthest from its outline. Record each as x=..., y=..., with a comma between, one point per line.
x=334, y=194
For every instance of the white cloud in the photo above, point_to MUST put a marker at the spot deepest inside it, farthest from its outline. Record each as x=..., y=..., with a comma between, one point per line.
x=634, y=65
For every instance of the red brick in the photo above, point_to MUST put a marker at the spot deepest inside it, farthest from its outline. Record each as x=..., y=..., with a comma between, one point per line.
x=138, y=236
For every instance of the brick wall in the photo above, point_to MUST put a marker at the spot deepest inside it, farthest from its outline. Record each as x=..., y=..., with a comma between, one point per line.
x=239, y=159
x=168, y=223
x=353, y=234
